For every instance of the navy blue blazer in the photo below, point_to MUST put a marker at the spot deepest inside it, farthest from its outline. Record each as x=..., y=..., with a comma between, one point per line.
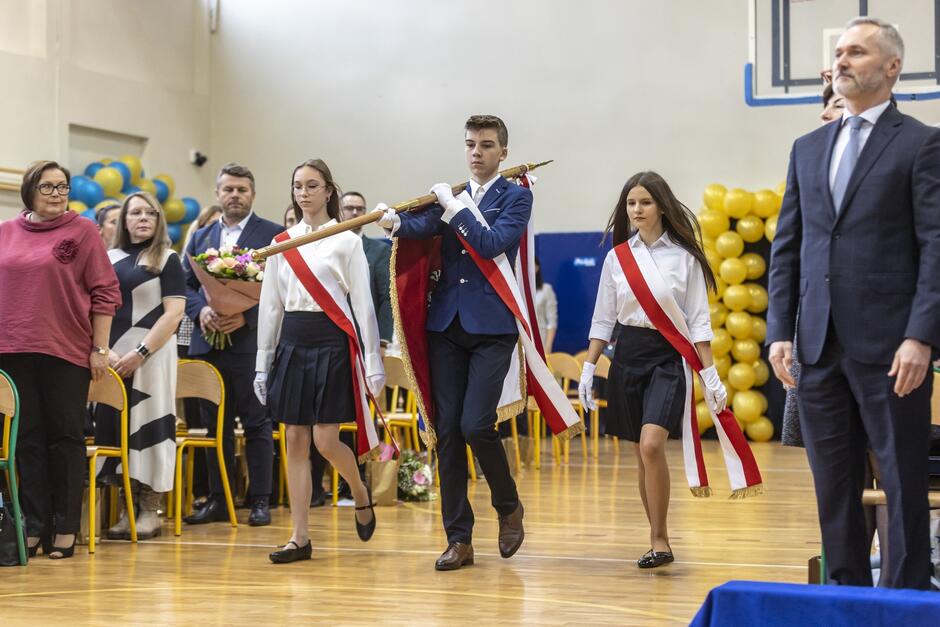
x=875, y=267
x=257, y=233
x=462, y=289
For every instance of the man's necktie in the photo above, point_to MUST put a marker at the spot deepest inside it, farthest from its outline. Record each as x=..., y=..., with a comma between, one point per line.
x=848, y=161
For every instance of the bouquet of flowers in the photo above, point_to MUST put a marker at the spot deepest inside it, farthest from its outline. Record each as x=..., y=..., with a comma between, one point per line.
x=231, y=282
x=414, y=478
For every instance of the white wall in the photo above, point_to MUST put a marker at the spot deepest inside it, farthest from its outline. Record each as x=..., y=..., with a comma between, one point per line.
x=380, y=90
x=133, y=67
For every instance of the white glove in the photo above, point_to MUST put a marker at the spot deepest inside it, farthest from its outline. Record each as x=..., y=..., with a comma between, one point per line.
x=261, y=387
x=716, y=396
x=389, y=220
x=376, y=383
x=445, y=196
x=586, y=386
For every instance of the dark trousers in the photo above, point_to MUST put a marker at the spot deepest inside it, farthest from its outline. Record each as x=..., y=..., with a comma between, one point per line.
x=238, y=373
x=845, y=407
x=50, y=449
x=466, y=381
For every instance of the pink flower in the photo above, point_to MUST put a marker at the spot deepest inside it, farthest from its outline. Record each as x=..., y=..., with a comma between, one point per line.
x=419, y=478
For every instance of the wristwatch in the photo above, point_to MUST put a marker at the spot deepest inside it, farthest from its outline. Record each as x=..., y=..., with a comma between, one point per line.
x=142, y=350
x=100, y=350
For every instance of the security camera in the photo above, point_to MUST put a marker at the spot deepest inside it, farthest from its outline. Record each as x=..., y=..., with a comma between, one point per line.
x=197, y=158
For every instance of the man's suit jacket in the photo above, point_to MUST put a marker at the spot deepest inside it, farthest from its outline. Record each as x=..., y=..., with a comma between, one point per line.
x=378, y=254
x=257, y=233
x=873, y=267
x=462, y=289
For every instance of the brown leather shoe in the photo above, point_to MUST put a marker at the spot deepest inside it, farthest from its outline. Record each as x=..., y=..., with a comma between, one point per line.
x=511, y=532
x=457, y=554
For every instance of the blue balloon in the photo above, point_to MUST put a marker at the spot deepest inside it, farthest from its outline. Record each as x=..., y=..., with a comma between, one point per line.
x=86, y=190
x=92, y=168
x=163, y=192
x=192, y=208
x=125, y=174
x=175, y=231
x=91, y=214
x=133, y=189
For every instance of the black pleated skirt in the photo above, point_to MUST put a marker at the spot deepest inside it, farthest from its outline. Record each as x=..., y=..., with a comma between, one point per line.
x=646, y=385
x=311, y=377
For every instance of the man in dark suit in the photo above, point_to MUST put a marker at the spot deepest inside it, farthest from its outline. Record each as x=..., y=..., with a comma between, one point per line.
x=858, y=250
x=471, y=335
x=235, y=189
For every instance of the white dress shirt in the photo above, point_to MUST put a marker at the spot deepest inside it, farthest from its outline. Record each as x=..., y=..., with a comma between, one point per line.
x=681, y=272
x=474, y=186
x=282, y=291
x=871, y=118
x=230, y=234
x=546, y=308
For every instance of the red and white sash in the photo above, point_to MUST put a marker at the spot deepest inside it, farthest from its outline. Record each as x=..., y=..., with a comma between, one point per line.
x=657, y=301
x=326, y=291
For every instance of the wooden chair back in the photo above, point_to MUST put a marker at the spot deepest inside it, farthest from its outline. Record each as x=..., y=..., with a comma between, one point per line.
x=199, y=379
x=395, y=373
x=603, y=367
x=108, y=390
x=565, y=367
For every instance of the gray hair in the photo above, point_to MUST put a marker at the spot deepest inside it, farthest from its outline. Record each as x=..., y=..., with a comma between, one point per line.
x=236, y=170
x=889, y=39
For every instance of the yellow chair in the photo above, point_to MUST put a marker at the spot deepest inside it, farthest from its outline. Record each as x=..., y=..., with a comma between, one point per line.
x=200, y=379
x=10, y=415
x=346, y=426
x=109, y=390
x=581, y=357
x=404, y=421
x=602, y=372
x=280, y=440
x=566, y=368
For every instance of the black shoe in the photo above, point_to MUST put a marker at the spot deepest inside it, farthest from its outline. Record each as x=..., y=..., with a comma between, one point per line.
x=260, y=515
x=365, y=531
x=652, y=559
x=288, y=555
x=213, y=511
x=61, y=552
x=45, y=543
x=318, y=500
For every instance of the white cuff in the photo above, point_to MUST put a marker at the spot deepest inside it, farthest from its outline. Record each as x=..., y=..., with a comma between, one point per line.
x=601, y=331
x=451, y=210
x=397, y=220
x=374, y=365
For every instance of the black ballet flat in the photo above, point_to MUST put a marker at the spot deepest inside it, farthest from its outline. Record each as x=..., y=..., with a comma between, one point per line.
x=286, y=555
x=365, y=531
x=652, y=559
x=64, y=552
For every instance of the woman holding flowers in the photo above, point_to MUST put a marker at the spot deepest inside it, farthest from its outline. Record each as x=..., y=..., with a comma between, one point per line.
x=307, y=352
x=143, y=353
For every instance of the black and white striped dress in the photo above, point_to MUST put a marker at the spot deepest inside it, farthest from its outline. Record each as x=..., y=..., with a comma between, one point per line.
x=152, y=390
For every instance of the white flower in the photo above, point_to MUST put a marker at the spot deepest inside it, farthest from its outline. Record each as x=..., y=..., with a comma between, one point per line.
x=216, y=266
x=252, y=269
x=260, y=276
x=212, y=252
x=225, y=250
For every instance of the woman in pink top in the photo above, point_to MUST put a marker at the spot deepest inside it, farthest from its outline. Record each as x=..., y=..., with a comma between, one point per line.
x=59, y=295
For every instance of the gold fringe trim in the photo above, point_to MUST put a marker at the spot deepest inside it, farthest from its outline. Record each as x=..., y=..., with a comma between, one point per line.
x=571, y=431
x=428, y=435
x=701, y=492
x=751, y=490
x=511, y=410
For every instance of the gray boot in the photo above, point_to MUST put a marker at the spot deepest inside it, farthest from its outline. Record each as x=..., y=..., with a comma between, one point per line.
x=148, y=521
x=121, y=530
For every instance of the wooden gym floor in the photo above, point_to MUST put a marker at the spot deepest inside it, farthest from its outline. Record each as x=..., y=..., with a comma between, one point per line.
x=585, y=528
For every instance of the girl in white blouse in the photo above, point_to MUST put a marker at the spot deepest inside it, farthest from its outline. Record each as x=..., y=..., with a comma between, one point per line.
x=646, y=384
x=304, y=362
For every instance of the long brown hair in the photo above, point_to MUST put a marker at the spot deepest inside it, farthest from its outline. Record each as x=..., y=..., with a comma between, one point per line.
x=151, y=257
x=678, y=221
x=332, y=205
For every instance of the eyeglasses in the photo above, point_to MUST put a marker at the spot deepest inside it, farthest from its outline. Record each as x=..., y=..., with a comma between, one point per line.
x=46, y=189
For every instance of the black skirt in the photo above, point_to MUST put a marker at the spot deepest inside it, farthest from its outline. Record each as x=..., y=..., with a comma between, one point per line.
x=646, y=385
x=311, y=377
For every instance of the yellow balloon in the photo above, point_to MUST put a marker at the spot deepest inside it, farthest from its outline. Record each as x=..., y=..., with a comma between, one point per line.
x=747, y=350
x=713, y=258
x=713, y=222
x=174, y=210
x=730, y=391
x=758, y=298
x=78, y=206
x=722, y=364
x=697, y=389
x=761, y=430
x=110, y=179
x=781, y=188
x=742, y=377
x=107, y=161
x=770, y=228
x=763, y=400
x=134, y=165
x=729, y=244
x=146, y=185
x=766, y=203
x=739, y=325
x=718, y=313
x=758, y=329
x=736, y=297
x=714, y=297
x=756, y=266
x=750, y=228
x=708, y=242
x=704, y=418
x=722, y=342
x=761, y=372
x=738, y=202
x=170, y=183
x=714, y=196
x=107, y=202
x=732, y=271
x=747, y=406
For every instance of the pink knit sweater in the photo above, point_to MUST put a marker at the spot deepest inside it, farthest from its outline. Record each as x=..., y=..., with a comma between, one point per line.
x=53, y=276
